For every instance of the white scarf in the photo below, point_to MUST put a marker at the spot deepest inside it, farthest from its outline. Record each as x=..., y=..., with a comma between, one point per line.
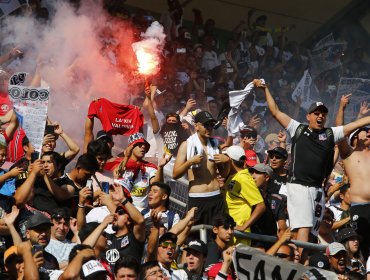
x=195, y=147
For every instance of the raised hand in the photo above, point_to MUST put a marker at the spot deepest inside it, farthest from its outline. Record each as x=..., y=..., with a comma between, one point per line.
x=9, y=218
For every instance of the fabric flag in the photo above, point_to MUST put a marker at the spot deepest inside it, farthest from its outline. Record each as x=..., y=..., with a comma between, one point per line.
x=8, y=6
x=31, y=106
x=116, y=118
x=236, y=98
x=250, y=263
x=307, y=91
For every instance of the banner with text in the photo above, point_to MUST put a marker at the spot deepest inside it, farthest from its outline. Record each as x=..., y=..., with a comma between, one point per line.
x=31, y=106
x=307, y=91
x=360, y=89
x=250, y=263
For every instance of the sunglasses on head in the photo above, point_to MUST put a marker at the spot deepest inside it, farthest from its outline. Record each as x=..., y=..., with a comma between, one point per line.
x=165, y=244
x=59, y=217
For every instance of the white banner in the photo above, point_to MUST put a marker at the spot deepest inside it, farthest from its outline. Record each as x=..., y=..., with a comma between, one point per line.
x=326, y=55
x=250, y=263
x=31, y=106
x=8, y=6
x=307, y=91
x=360, y=89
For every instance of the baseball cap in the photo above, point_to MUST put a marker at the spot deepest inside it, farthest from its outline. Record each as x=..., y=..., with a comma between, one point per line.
x=38, y=219
x=334, y=248
x=102, y=134
x=353, y=135
x=137, y=138
x=9, y=253
x=263, y=168
x=59, y=213
x=251, y=158
x=248, y=130
x=236, y=153
x=280, y=151
x=197, y=245
x=319, y=260
x=92, y=268
x=346, y=233
x=168, y=236
x=316, y=105
x=203, y=117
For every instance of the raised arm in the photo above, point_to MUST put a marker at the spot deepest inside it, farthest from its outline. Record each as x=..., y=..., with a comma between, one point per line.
x=73, y=148
x=89, y=135
x=59, y=192
x=148, y=105
x=344, y=149
x=94, y=236
x=11, y=117
x=159, y=174
x=349, y=128
x=281, y=117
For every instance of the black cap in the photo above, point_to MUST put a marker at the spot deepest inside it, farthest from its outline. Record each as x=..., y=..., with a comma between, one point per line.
x=168, y=236
x=203, y=117
x=346, y=233
x=280, y=151
x=319, y=260
x=59, y=213
x=38, y=219
x=197, y=245
x=316, y=105
x=102, y=134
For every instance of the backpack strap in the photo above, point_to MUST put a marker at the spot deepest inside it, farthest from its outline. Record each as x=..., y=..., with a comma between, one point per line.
x=300, y=129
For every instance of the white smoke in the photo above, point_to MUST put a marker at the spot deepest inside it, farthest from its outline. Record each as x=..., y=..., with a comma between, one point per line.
x=79, y=60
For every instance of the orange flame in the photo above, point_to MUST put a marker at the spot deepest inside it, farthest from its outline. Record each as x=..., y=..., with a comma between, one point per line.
x=148, y=62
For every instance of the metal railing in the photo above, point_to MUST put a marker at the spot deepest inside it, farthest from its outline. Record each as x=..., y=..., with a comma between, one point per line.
x=179, y=200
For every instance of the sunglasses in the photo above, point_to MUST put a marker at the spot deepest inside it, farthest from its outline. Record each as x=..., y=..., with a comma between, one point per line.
x=275, y=157
x=282, y=255
x=121, y=212
x=166, y=244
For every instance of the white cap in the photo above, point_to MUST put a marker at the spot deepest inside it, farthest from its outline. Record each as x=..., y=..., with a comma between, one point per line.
x=92, y=267
x=236, y=153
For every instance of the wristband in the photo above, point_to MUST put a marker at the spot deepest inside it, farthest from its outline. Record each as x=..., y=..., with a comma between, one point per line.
x=80, y=206
x=124, y=202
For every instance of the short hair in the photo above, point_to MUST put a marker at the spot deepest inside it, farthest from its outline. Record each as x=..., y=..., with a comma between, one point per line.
x=165, y=188
x=223, y=219
x=56, y=157
x=25, y=141
x=99, y=148
x=76, y=248
x=127, y=262
x=88, y=162
x=146, y=266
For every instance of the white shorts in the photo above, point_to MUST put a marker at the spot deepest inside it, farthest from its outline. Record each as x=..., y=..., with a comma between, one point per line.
x=305, y=207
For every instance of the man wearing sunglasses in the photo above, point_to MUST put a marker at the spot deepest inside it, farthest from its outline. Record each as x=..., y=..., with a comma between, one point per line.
x=277, y=159
x=59, y=246
x=312, y=162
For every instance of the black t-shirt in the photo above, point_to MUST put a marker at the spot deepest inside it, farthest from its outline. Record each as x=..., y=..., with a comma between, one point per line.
x=43, y=199
x=72, y=202
x=173, y=135
x=214, y=254
x=123, y=245
x=278, y=205
x=50, y=264
x=275, y=183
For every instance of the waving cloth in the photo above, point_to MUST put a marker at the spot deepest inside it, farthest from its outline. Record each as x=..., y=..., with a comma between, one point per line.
x=116, y=118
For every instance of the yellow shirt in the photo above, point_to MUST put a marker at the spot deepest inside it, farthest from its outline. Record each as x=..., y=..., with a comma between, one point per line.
x=241, y=195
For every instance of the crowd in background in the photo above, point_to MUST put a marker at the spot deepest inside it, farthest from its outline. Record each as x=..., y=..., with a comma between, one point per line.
x=90, y=212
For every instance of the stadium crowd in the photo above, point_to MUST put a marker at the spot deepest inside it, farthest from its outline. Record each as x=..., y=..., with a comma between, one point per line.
x=89, y=213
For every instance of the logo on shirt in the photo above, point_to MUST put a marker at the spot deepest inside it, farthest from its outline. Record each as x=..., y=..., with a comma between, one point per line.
x=124, y=242
x=322, y=137
x=112, y=255
x=4, y=107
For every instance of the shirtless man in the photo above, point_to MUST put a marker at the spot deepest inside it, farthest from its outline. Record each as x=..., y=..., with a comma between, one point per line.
x=199, y=157
x=311, y=154
x=356, y=161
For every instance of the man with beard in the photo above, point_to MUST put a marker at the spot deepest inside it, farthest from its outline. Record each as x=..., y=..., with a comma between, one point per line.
x=356, y=161
x=312, y=162
x=129, y=237
x=337, y=254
